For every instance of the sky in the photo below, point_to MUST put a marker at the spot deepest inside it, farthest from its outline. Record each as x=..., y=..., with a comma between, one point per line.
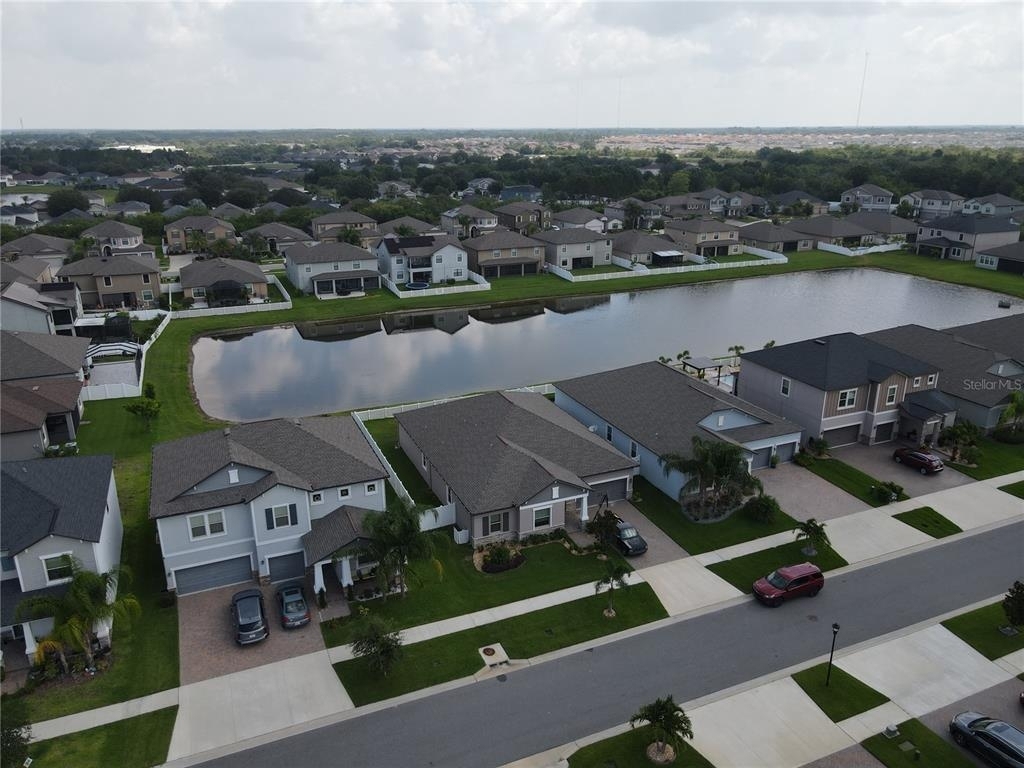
x=262, y=65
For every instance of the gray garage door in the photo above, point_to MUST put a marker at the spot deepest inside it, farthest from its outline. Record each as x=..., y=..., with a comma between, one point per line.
x=286, y=567
x=213, y=575
x=762, y=456
x=616, y=490
x=842, y=436
x=883, y=432
x=785, y=452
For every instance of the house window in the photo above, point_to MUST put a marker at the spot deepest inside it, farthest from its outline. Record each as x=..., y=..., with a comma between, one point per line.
x=309, y=269
x=371, y=489
x=232, y=476
x=961, y=237
x=588, y=247
x=633, y=451
x=542, y=517
x=334, y=267
x=536, y=251
x=458, y=258
x=438, y=259
x=107, y=282
x=145, y=278
x=199, y=293
x=565, y=263
x=493, y=523
x=281, y=516
x=206, y=524
x=917, y=381
x=447, y=495
x=58, y=567
x=344, y=493
x=457, y=273
x=563, y=249
x=400, y=276
x=608, y=432
x=496, y=254
x=956, y=251
x=356, y=265
x=890, y=395
x=6, y=563
x=931, y=379
x=847, y=399
x=147, y=295
x=317, y=497
x=784, y=389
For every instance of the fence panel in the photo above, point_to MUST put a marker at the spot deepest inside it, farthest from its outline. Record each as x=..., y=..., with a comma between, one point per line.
x=393, y=479
x=438, y=517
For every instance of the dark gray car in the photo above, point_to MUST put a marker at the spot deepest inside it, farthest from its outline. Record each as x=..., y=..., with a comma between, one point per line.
x=997, y=743
x=249, y=616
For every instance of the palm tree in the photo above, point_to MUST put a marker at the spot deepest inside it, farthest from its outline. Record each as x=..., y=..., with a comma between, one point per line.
x=814, y=533
x=1013, y=416
x=684, y=355
x=737, y=350
x=697, y=467
x=669, y=723
x=197, y=241
x=397, y=539
x=88, y=601
x=614, y=577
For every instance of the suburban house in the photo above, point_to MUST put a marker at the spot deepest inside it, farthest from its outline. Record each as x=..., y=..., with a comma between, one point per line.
x=21, y=216
x=53, y=250
x=842, y=388
x=774, y=237
x=644, y=248
x=228, y=212
x=468, y=221
x=224, y=282
x=26, y=269
x=885, y=227
x=36, y=414
x=833, y=231
x=1003, y=258
x=407, y=226
x=932, y=203
x=194, y=233
x=576, y=248
x=340, y=220
x=581, y=217
x=504, y=254
x=54, y=508
x=273, y=207
x=115, y=281
x=634, y=213
x=41, y=356
x=982, y=364
x=960, y=237
x=651, y=409
x=681, y=205
x=115, y=238
x=751, y=205
x=526, y=192
x=128, y=209
x=97, y=204
x=525, y=218
x=266, y=500
x=993, y=205
x=867, y=197
x=279, y=237
x=422, y=259
x=511, y=464
x=706, y=237
x=331, y=269
x=39, y=307
x=390, y=190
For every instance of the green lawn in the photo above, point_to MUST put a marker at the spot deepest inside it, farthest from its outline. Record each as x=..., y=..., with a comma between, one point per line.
x=462, y=589
x=1017, y=489
x=385, y=434
x=696, y=538
x=734, y=258
x=627, y=750
x=996, y=459
x=935, y=751
x=137, y=742
x=742, y=572
x=453, y=656
x=980, y=630
x=845, y=695
x=599, y=270
x=927, y=520
x=946, y=270
x=850, y=479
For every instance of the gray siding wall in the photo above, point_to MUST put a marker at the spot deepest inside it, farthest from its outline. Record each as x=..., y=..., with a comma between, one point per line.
x=220, y=479
x=986, y=418
x=108, y=549
x=19, y=446
x=832, y=402
x=762, y=387
x=18, y=317
x=30, y=564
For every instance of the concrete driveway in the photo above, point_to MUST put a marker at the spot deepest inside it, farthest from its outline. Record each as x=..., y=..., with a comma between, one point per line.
x=206, y=640
x=877, y=461
x=803, y=495
x=661, y=548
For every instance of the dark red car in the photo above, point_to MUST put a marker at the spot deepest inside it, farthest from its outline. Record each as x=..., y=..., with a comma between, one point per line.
x=918, y=459
x=803, y=580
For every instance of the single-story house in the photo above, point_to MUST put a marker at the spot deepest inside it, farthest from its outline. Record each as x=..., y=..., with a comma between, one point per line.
x=886, y=227
x=645, y=248
x=279, y=237
x=833, y=231
x=224, y=282
x=773, y=237
x=582, y=217
x=53, y=250
x=1003, y=258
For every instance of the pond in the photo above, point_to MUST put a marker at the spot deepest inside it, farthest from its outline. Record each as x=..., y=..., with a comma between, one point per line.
x=324, y=367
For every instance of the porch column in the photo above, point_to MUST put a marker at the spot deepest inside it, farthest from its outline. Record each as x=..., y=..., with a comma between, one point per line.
x=583, y=510
x=71, y=426
x=318, y=576
x=346, y=572
x=30, y=640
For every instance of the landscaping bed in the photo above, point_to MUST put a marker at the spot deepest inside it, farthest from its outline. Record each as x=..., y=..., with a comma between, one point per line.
x=845, y=695
x=996, y=458
x=927, y=520
x=743, y=571
x=980, y=630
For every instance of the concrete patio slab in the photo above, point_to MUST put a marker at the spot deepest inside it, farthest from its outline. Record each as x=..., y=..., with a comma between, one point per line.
x=803, y=495
x=877, y=461
x=871, y=533
x=925, y=670
x=975, y=505
x=685, y=585
x=871, y=723
x=774, y=724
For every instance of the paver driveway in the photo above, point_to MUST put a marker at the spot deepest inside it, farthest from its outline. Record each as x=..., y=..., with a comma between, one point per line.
x=877, y=461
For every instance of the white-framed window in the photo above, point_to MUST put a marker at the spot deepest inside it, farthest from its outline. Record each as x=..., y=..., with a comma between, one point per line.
x=107, y=282
x=206, y=524
x=784, y=387
x=147, y=295
x=608, y=432
x=438, y=259
x=145, y=277
x=536, y=251
x=890, y=394
x=344, y=493
x=458, y=258
x=542, y=517
x=494, y=523
x=917, y=381
x=232, y=476
x=956, y=251
x=316, y=497
x=633, y=449
x=398, y=260
x=588, y=246
x=309, y=269
x=400, y=276
x=565, y=262
x=931, y=379
x=280, y=516
x=847, y=399
x=448, y=495
x=960, y=237
x=356, y=265
x=371, y=489
x=457, y=273
x=57, y=567
x=563, y=249
x=496, y=254
x=199, y=293
x=515, y=252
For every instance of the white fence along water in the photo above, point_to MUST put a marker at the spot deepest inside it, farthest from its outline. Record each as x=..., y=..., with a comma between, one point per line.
x=843, y=251
x=479, y=284
x=640, y=270
x=115, y=391
x=265, y=307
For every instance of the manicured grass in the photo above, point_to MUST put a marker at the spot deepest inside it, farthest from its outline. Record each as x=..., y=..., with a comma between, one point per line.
x=461, y=589
x=700, y=537
x=628, y=750
x=927, y=520
x=996, y=459
x=385, y=434
x=845, y=695
x=946, y=270
x=935, y=752
x=734, y=258
x=742, y=572
x=137, y=742
x=453, y=656
x=980, y=630
x=599, y=270
x=1017, y=489
x=850, y=479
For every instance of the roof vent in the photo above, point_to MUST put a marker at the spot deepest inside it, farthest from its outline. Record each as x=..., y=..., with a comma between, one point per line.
x=227, y=431
x=297, y=422
x=820, y=341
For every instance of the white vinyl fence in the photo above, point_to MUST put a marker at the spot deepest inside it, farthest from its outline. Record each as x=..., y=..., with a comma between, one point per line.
x=114, y=391
x=843, y=251
x=642, y=270
x=269, y=306
x=479, y=284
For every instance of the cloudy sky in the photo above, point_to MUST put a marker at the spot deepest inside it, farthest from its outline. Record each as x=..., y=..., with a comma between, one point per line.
x=247, y=64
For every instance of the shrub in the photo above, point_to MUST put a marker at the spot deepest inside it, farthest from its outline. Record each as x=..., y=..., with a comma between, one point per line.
x=818, y=447
x=762, y=508
x=499, y=554
x=886, y=492
x=970, y=454
x=803, y=459
x=1013, y=604
x=1008, y=435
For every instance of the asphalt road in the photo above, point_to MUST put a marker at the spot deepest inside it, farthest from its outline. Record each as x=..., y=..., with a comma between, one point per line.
x=495, y=722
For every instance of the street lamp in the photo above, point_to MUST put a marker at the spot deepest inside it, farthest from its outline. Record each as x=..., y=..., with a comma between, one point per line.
x=828, y=675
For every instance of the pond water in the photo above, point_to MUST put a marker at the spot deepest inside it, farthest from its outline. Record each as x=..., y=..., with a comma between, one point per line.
x=323, y=367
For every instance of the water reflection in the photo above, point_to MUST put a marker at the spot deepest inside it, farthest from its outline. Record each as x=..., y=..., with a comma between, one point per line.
x=506, y=314
x=449, y=321
x=336, y=330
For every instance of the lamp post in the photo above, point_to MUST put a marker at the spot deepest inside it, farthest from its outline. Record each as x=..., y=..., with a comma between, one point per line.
x=828, y=675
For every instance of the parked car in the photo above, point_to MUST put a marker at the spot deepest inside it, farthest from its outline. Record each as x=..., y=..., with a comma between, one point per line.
x=628, y=538
x=804, y=579
x=249, y=617
x=291, y=599
x=997, y=743
x=918, y=459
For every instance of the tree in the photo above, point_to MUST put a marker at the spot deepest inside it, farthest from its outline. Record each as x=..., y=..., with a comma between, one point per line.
x=633, y=215
x=697, y=468
x=1013, y=416
x=1013, y=604
x=397, y=539
x=197, y=241
x=737, y=349
x=959, y=437
x=290, y=197
x=615, y=577
x=678, y=183
x=814, y=534
x=85, y=604
x=16, y=733
x=349, y=236
x=715, y=470
x=127, y=192
x=375, y=640
x=63, y=200
x=243, y=197
x=669, y=723
x=603, y=526
x=905, y=210
x=145, y=408
x=684, y=355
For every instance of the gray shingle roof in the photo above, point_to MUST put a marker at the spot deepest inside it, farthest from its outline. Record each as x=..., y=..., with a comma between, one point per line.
x=416, y=225
x=108, y=229
x=60, y=497
x=881, y=222
x=828, y=226
x=337, y=529
x=997, y=199
x=280, y=231
x=870, y=189
x=569, y=236
x=11, y=595
x=579, y=216
x=935, y=194
x=341, y=218
x=209, y=271
x=795, y=196
x=660, y=407
x=1003, y=334
x=37, y=355
x=500, y=240
x=496, y=451
x=324, y=253
x=517, y=208
x=32, y=245
x=766, y=232
x=201, y=223
x=634, y=241
x=307, y=453
x=1011, y=252
x=973, y=223
x=700, y=225
x=469, y=210
x=113, y=265
x=25, y=405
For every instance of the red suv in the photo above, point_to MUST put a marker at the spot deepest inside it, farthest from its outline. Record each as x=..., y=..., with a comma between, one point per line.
x=918, y=459
x=800, y=580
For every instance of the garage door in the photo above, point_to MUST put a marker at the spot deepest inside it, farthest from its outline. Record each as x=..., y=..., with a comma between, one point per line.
x=883, y=432
x=286, y=567
x=842, y=436
x=213, y=575
x=785, y=452
x=616, y=490
x=762, y=456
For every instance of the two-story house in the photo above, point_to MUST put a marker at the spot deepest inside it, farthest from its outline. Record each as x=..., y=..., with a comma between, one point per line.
x=278, y=238
x=264, y=500
x=128, y=209
x=504, y=254
x=867, y=197
x=228, y=212
x=581, y=217
x=963, y=236
x=39, y=307
x=930, y=204
x=577, y=248
x=524, y=217
x=53, y=508
x=422, y=259
x=842, y=388
x=408, y=226
x=468, y=221
x=115, y=238
x=634, y=213
x=116, y=281
x=196, y=233
x=705, y=236
x=330, y=226
x=331, y=269
x=36, y=414
x=994, y=205
x=53, y=250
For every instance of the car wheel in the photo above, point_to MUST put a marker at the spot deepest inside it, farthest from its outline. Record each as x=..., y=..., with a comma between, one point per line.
x=897, y=459
x=776, y=602
x=959, y=738
x=924, y=471
x=814, y=591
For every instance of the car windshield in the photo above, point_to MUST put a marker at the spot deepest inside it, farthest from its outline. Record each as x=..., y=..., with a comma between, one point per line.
x=777, y=580
x=629, y=532
x=294, y=605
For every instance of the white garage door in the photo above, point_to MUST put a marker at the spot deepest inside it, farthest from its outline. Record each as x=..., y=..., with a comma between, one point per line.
x=842, y=436
x=211, y=575
x=286, y=567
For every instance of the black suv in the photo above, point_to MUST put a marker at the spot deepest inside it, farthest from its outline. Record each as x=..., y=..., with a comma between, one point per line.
x=249, y=616
x=997, y=743
x=628, y=538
